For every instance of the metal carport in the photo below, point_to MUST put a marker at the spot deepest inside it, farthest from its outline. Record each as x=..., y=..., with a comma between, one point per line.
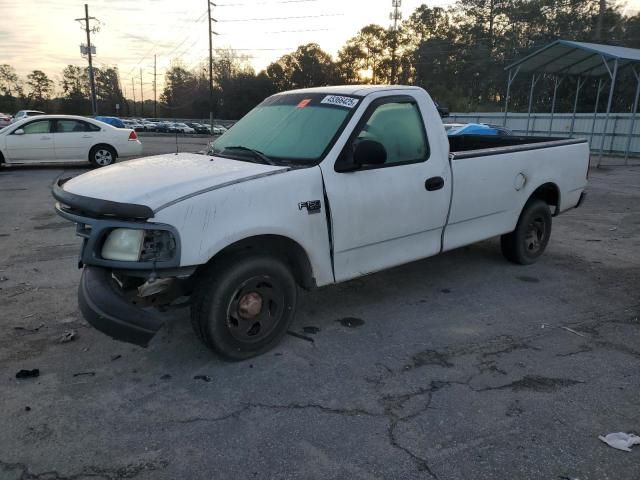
x=564, y=58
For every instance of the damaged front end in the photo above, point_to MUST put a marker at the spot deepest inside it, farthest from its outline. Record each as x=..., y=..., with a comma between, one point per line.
x=130, y=265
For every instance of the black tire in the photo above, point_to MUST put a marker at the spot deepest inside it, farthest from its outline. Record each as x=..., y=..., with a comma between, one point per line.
x=243, y=305
x=102, y=156
x=530, y=238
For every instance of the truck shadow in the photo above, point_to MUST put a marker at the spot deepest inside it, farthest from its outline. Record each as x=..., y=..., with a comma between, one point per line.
x=416, y=285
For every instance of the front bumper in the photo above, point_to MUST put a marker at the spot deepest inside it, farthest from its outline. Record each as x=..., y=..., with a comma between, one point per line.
x=106, y=309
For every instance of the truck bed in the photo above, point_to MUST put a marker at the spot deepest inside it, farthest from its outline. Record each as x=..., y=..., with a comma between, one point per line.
x=466, y=146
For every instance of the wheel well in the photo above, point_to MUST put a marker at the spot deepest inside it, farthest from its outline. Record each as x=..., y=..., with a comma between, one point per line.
x=283, y=247
x=548, y=193
x=102, y=145
x=1, y=158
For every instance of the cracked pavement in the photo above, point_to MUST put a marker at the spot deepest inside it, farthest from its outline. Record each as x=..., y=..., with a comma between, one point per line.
x=458, y=366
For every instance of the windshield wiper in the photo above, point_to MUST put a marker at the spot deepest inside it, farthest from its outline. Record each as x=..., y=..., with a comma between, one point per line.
x=256, y=153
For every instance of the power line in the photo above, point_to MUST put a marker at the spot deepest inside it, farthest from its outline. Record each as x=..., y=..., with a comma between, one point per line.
x=144, y=57
x=282, y=18
x=263, y=3
x=283, y=31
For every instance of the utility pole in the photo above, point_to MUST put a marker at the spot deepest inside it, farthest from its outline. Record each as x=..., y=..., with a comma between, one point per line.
x=155, y=100
x=133, y=89
x=141, y=96
x=211, y=33
x=87, y=28
x=601, y=12
x=395, y=15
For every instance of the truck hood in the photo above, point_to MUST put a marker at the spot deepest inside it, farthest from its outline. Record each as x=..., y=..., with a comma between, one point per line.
x=164, y=179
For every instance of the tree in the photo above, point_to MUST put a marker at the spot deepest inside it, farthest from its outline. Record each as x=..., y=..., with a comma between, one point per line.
x=308, y=66
x=40, y=87
x=9, y=83
x=180, y=85
x=10, y=89
x=367, y=52
x=108, y=91
x=75, y=89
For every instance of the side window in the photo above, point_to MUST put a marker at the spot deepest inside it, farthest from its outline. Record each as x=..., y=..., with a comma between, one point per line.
x=41, y=126
x=398, y=126
x=70, y=126
x=92, y=128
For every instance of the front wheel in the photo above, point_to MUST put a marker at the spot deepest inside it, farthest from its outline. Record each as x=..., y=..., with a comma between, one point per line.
x=102, y=156
x=244, y=305
x=530, y=238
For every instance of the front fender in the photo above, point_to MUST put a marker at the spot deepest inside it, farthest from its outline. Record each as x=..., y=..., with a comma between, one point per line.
x=210, y=222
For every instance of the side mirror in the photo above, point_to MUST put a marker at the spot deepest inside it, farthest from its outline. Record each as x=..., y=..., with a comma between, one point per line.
x=19, y=132
x=369, y=152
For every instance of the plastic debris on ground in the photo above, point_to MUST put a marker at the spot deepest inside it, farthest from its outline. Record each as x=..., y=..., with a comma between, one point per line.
x=67, y=336
x=620, y=440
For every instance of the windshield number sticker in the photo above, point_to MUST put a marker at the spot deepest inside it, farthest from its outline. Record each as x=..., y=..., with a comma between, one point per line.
x=303, y=103
x=340, y=101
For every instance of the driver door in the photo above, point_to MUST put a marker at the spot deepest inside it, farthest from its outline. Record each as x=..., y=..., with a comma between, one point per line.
x=383, y=215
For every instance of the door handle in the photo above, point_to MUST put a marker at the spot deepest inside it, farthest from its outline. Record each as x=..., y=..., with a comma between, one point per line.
x=86, y=136
x=434, y=183
x=45, y=138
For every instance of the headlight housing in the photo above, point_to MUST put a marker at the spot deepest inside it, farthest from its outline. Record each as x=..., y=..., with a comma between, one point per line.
x=133, y=245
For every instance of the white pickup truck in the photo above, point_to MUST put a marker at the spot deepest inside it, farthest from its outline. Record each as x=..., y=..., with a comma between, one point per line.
x=310, y=188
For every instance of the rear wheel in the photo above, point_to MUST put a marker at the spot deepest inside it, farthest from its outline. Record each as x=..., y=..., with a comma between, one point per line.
x=102, y=156
x=244, y=305
x=530, y=238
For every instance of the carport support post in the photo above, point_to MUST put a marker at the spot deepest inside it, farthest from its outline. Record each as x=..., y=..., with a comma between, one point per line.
x=595, y=112
x=633, y=116
x=512, y=76
x=606, y=118
x=534, y=80
x=556, y=83
x=575, y=104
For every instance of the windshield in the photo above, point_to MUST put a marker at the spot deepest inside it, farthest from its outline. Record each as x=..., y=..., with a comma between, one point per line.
x=296, y=126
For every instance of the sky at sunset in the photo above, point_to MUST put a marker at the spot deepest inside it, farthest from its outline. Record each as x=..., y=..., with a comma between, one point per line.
x=42, y=34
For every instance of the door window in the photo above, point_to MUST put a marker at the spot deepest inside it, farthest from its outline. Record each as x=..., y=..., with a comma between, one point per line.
x=399, y=127
x=41, y=126
x=71, y=126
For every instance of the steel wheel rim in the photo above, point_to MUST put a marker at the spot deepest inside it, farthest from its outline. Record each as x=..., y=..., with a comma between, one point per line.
x=535, y=234
x=255, y=309
x=103, y=157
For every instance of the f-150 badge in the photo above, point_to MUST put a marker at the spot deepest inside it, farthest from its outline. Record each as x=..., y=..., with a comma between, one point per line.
x=312, y=206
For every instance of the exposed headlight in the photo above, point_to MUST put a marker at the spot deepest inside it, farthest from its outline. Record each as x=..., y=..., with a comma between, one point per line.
x=124, y=244
x=131, y=245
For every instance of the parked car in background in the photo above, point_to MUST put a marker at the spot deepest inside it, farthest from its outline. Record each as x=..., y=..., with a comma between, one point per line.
x=149, y=126
x=5, y=119
x=64, y=138
x=198, y=127
x=113, y=121
x=184, y=128
x=26, y=113
x=219, y=129
x=166, y=127
x=479, y=129
x=133, y=124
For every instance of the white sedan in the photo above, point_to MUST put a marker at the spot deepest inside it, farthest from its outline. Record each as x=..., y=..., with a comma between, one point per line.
x=65, y=138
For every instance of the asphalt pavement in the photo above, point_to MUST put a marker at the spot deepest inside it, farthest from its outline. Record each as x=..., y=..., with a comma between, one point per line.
x=462, y=366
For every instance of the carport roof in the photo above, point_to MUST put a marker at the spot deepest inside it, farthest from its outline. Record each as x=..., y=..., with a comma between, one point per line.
x=576, y=58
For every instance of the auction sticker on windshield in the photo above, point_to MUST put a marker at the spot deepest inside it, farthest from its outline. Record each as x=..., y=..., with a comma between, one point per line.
x=340, y=101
